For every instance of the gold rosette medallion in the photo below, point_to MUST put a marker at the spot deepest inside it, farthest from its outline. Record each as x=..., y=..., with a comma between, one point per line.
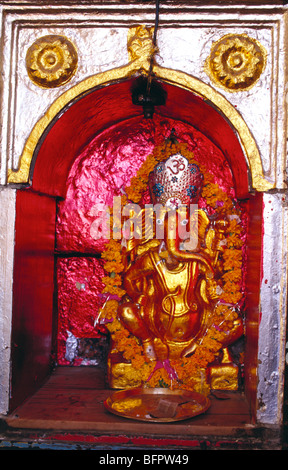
x=236, y=62
x=51, y=61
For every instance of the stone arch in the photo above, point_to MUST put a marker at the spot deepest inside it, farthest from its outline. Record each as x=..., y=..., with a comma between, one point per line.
x=104, y=99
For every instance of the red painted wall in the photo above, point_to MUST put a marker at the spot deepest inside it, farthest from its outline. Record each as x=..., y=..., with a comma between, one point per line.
x=253, y=284
x=33, y=290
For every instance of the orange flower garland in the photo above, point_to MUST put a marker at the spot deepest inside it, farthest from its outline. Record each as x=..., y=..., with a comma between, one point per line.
x=189, y=369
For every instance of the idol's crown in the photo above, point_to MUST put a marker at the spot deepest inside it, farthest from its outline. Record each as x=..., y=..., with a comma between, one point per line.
x=175, y=182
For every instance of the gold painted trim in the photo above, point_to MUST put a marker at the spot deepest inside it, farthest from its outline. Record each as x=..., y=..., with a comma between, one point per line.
x=22, y=174
x=141, y=64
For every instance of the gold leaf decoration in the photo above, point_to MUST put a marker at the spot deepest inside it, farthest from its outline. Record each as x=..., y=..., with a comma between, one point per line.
x=236, y=62
x=140, y=43
x=51, y=61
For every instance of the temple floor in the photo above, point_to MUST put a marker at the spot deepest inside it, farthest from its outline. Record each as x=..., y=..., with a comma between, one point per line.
x=71, y=403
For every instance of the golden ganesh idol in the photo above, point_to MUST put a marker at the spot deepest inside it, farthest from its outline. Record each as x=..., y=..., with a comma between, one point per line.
x=172, y=307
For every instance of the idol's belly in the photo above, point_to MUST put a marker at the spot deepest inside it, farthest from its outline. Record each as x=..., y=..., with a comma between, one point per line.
x=178, y=328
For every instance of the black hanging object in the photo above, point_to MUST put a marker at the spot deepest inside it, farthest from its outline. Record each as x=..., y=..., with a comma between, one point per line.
x=147, y=92
x=148, y=99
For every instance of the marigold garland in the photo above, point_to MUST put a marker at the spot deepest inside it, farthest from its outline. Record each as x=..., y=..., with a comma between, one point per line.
x=189, y=369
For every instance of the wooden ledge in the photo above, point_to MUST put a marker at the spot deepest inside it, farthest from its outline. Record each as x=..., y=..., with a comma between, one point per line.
x=72, y=399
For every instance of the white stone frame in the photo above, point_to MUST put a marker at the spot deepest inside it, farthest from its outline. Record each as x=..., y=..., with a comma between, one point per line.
x=263, y=108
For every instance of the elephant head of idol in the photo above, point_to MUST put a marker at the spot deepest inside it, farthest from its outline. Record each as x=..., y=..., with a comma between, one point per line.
x=175, y=187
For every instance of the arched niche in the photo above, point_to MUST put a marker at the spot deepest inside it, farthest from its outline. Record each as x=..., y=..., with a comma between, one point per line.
x=104, y=109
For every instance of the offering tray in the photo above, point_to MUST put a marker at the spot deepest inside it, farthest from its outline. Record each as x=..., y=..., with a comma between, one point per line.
x=159, y=405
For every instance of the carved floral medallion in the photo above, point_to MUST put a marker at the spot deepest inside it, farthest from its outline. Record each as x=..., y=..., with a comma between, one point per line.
x=51, y=61
x=236, y=62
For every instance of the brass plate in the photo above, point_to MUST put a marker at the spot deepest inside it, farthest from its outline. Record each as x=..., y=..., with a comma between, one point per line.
x=159, y=405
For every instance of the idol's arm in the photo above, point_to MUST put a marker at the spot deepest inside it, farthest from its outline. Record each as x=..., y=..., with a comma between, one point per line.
x=134, y=277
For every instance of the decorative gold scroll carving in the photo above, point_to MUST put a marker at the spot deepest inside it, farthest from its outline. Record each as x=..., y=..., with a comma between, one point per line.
x=140, y=43
x=138, y=48
x=236, y=62
x=51, y=61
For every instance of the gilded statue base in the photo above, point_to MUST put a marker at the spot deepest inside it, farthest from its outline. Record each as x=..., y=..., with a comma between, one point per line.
x=223, y=376
x=119, y=375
